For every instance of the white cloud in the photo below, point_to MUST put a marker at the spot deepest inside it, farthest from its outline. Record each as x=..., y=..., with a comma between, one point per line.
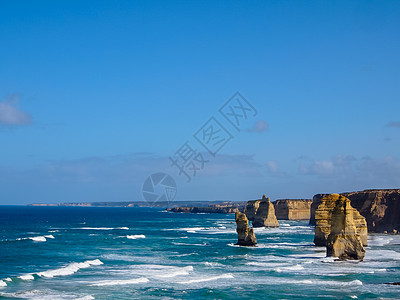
x=347, y=170
x=259, y=126
x=323, y=167
x=272, y=166
x=10, y=114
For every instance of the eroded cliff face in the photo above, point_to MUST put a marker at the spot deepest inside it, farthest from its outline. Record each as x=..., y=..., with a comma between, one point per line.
x=344, y=241
x=292, y=209
x=323, y=217
x=246, y=236
x=381, y=208
x=261, y=213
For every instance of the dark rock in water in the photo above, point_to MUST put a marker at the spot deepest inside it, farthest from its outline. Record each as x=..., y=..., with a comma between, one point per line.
x=381, y=208
x=292, y=209
x=324, y=219
x=343, y=241
x=246, y=236
x=261, y=213
x=393, y=283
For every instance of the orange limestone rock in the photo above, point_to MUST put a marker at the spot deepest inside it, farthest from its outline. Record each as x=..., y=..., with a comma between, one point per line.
x=323, y=219
x=246, y=236
x=344, y=241
x=261, y=213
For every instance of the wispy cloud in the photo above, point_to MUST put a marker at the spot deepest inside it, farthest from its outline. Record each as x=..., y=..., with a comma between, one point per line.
x=232, y=164
x=274, y=169
x=317, y=167
x=10, y=114
x=393, y=124
x=348, y=169
x=259, y=126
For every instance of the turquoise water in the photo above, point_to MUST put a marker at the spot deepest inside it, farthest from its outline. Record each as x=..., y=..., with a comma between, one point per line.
x=141, y=253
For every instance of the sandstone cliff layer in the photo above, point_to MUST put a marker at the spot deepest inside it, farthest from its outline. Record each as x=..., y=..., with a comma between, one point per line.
x=343, y=241
x=261, y=213
x=246, y=236
x=381, y=208
x=292, y=209
x=323, y=217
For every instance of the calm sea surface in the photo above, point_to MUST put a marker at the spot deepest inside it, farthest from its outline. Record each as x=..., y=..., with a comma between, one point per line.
x=142, y=253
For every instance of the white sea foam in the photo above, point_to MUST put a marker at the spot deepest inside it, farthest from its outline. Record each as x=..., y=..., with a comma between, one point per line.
x=187, y=244
x=374, y=255
x=2, y=284
x=266, y=264
x=157, y=271
x=136, y=236
x=186, y=254
x=70, y=269
x=178, y=272
x=27, y=277
x=8, y=279
x=205, y=279
x=213, y=264
x=210, y=230
x=88, y=297
x=290, y=268
x=102, y=228
x=121, y=282
x=379, y=240
x=38, y=239
x=52, y=231
x=46, y=294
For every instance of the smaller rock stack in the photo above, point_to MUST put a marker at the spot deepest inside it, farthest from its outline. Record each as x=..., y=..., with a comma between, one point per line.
x=246, y=236
x=261, y=213
x=343, y=240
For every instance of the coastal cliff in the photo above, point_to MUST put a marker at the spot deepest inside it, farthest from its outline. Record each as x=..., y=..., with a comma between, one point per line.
x=381, y=208
x=292, y=209
x=344, y=240
x=261, y=213
x=323, y=217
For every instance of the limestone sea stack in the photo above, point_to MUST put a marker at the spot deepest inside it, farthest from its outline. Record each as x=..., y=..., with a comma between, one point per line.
x=292, y=209
x=323, y=218
x=246, y=236
x=381, y=208
x=344, y=241
x=261, y=213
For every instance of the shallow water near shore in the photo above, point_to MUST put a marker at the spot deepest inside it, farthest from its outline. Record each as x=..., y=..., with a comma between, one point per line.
x=143, y=253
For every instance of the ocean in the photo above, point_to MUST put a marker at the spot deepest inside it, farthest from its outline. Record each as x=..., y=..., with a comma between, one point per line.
x=146, y=253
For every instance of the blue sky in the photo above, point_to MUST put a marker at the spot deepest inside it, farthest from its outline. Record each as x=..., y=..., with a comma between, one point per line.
x=96, y=96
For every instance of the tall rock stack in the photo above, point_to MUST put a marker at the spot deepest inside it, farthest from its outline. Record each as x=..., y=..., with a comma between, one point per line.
x=261, y=213
x=246, y=236
x=344, y=241
x=323, y=219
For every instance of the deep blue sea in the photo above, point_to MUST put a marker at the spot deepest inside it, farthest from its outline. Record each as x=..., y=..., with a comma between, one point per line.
x=144, y=253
